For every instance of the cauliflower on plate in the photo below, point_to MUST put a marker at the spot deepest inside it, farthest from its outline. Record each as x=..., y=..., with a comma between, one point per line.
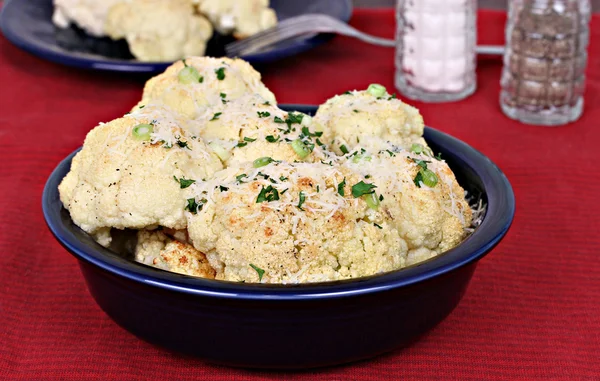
x=134, y=173
x=89, y=15
x=368, y=118
x=242, y=18
x=192, y=87
x=159, y=30
x=157, y=249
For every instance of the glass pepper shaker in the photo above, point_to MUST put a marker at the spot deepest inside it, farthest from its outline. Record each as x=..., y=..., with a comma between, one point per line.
x=543, y=78
x=435, y=49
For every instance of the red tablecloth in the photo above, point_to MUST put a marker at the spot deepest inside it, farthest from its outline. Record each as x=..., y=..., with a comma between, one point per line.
x=531, y=311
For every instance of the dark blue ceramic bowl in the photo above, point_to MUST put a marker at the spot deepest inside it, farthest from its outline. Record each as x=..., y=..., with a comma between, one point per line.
x=298, y=326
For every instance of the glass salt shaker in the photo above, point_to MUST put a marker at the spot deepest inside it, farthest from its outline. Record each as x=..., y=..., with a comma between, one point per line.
x=543, y=78
x=435, y=49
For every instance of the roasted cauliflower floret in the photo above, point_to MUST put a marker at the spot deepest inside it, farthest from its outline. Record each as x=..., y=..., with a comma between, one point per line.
x=193, y=87
x=361, y=118
x=249, y=128
x=129, y=173
x=242, y=18
x=159, y=30
x=288, y=222
x=155, y=248
x=419, y=194
x=89, y=15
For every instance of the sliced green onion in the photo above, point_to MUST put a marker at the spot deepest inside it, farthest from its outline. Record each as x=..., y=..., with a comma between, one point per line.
x=188, y=75
x=376, y=90
x=142, y=131
x=417, y=148
x=300, y=148
x=262, y=161
x=358, y=158
x=306, y=120
x=429, y=178
x=372, y=201
x=221, y=152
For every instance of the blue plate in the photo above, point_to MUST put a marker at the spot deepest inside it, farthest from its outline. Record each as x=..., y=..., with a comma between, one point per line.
x=28, y=25
x=293, y=326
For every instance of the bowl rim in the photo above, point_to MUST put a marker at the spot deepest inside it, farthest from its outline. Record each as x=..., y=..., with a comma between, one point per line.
x=498, y=219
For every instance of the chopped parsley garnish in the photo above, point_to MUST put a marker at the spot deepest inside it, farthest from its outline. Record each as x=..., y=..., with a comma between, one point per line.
x=240, y=177
x=362, y=188
x=142, y=106
x=263, y=114
x=267, y=194
x=223, y=96
x=201, y=79
x=223, y=189
x=259, y=271
x=438, y=156
x=183, y=182
x=340, y=188
x=272, y=139
x=318, y=189
x=220, y=73
x=380, y=197
x=193, y=206
x=378, y=226
x=249, y=140
x=390, y=153
x=302, y=200
x=355, y=110
x=348, y=92
x=294, y=118
x=418, y=179
x=183, y=144
x=420, y=163
x=278, y=120
x=184, y=63
x=306, y=132
x=267, y=103
x=216, y=116
x=281, y=178
x=285, y=190
x=319, y=143
x=242, y=144
x=367, y=176
x=393, y=96
x=344, y=149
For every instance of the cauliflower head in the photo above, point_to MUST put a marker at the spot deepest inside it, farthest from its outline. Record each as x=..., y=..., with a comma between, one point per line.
x=419, y=195
x=89, y=15
x=129, y=173
x=242, y=18
x=360, y=118
x=289, y=223
x=249, y=128
x=214, y=76
x=157, y=249
x=159, y=30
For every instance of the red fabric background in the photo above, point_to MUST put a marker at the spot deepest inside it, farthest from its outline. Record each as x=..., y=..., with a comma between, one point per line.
x=533, y=307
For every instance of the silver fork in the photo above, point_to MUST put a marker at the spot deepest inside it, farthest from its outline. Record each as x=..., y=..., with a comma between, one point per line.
x=309, y=25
